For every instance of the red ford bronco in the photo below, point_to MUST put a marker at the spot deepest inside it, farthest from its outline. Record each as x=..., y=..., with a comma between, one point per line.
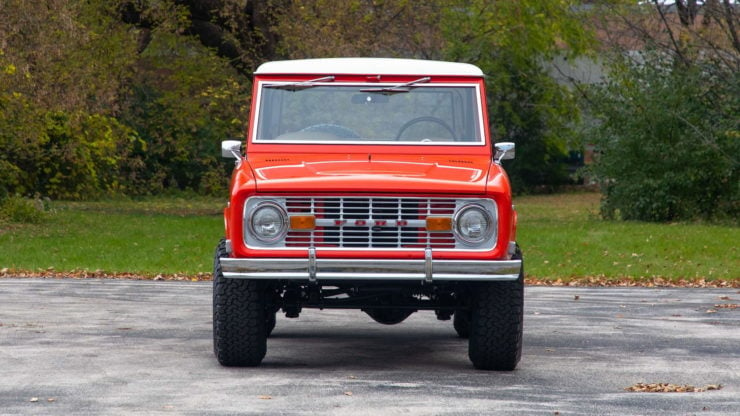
x=369, y=184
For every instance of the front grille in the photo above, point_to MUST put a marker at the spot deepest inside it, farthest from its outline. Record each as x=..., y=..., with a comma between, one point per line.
x=364, y=222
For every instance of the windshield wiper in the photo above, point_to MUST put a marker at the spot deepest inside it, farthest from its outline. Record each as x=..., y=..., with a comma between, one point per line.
x=302, y=85
x=395, y=89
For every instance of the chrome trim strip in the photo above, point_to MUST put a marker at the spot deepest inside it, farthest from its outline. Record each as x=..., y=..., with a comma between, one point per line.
x=312, y=264
x=428, y=268
x=369, y=269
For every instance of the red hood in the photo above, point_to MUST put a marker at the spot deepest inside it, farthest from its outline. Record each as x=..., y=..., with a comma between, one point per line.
x=371, y=173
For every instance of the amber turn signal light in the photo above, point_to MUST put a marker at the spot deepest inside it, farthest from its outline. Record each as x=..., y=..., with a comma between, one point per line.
x=302, y=222
x=439, y=223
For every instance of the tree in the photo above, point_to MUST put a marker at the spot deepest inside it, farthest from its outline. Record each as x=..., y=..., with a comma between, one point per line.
x=668, y=136
x=513, y=42
x=58, y=99
x=123, y=98
x=237, y=30
x=318, y=28
x=183, y=101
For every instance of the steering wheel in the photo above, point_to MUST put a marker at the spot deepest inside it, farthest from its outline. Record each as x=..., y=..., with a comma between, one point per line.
x=335, y=129
x=428, y=119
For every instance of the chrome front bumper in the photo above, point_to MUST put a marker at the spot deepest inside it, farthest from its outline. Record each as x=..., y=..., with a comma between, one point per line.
x=314, y=269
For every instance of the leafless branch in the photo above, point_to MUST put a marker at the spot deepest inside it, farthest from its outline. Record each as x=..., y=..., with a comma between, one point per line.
x=676, y=46
x=730, y=19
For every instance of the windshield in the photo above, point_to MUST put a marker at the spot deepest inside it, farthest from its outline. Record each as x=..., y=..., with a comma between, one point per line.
x=369, y=113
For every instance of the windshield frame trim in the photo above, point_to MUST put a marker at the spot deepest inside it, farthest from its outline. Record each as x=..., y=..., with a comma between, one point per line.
x=261, y=84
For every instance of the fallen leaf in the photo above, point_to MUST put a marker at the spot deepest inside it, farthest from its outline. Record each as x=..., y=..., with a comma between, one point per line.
x=576, y=297
x=727, y=306
x=670, y=388
x=720, y=297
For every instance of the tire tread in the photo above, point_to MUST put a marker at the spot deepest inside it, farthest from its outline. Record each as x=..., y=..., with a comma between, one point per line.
x=239, y=320
x=495, y=341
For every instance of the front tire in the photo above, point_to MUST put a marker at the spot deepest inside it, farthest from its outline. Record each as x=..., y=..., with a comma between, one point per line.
x=239, y=318
x=497, y=322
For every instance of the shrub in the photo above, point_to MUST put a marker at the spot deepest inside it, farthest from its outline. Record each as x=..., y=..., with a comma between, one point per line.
x=82, y=155
x=60, y=154
x=21, y=210
x=668, y=142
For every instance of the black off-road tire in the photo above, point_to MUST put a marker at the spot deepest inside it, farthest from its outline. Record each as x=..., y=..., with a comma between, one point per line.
x=461, y=323
x=239, y=320
x=497, y=322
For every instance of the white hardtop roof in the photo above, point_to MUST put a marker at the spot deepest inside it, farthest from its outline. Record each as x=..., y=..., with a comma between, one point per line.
x=368, y=66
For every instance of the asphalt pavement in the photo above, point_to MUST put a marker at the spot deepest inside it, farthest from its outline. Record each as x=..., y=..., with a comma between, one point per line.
x=113, y=347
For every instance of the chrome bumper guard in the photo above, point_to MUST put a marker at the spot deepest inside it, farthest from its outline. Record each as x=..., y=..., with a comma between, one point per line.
x=314, y=269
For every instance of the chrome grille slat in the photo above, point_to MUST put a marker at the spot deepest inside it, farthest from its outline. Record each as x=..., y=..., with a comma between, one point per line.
x=405, y=227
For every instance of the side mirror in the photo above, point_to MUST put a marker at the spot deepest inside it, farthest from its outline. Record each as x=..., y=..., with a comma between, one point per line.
x=231, y=149
x=504, y=151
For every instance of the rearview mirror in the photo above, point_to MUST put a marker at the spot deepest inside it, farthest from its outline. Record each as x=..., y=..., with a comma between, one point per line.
x=504, y=151
x=231, y=149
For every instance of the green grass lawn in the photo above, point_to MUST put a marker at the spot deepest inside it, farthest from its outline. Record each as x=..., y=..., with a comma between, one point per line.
x=561, y=236
x=156, y=235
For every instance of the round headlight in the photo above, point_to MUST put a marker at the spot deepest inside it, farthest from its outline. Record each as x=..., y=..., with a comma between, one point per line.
x=473, y=224
x=269, y=222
